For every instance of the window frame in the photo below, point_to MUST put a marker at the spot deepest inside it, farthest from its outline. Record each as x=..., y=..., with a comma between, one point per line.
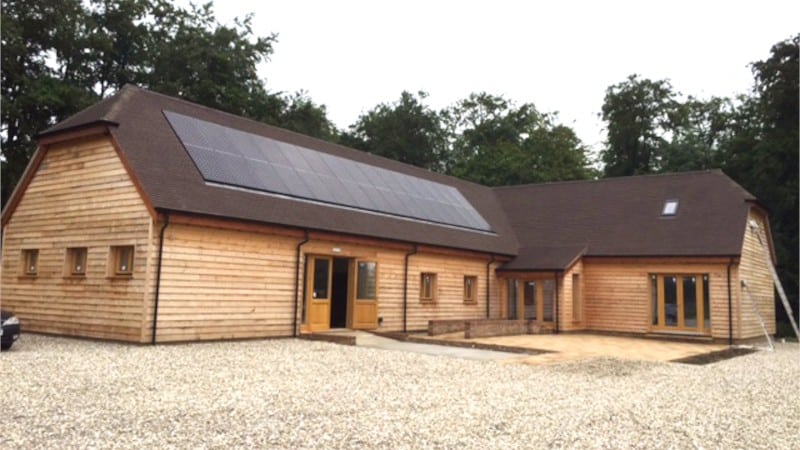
x=667, y=210
x=116, y=259
x=72, y=253
x=471, y=297
x=577, y=298
x=431, y=298
x=26, y=262
x=358, y=297
x=658, y=310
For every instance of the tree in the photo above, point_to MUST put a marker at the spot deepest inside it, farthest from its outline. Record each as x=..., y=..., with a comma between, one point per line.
x=407, y=131
x=496, y=143
x=60, y=56
x=762, y=150
x=698, y=130
x=639, y=114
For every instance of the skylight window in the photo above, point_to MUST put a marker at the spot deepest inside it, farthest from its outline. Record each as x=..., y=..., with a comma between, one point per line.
x=670, y=208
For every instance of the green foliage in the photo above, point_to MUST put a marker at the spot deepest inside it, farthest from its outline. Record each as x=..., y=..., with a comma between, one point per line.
x=639, y=112
x=762, y=150
x=497, y=143
x=754, y=139
x=406, y=130
x=60, y=56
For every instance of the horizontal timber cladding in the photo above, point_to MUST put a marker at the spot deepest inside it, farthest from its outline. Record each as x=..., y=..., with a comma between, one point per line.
x=754, y=271
x=79, y=196
x=449, y=296
x=219, y=283
x=617, y=296
x=224, y=284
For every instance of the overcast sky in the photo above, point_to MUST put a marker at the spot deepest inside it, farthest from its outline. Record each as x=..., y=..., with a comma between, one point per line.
x=559, y=55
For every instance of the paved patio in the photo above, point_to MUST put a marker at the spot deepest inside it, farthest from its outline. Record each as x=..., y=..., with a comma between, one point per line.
x=572, y=347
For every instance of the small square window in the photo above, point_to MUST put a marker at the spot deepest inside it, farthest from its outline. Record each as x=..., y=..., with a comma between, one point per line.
x=670, y=208
x=30, y=262
x=470, y=289
x=427, y=288
x=122, y=260
x=76, y=261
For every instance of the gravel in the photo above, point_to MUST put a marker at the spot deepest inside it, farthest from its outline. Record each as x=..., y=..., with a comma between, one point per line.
x=69, y=393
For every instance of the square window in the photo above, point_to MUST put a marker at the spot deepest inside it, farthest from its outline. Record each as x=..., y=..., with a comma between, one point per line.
x=30, y=262
x=76, y=261
x=122, y=259
x=427, y=288
x=470, y=289
x=670, y=208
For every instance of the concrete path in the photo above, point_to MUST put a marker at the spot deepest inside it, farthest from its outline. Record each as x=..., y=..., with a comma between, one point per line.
x=364, y=339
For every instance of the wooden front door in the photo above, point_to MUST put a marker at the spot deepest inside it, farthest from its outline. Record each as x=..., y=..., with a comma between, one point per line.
x=364, y=301
x=318, y=292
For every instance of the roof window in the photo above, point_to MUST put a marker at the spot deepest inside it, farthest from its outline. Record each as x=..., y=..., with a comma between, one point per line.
x=670, y=208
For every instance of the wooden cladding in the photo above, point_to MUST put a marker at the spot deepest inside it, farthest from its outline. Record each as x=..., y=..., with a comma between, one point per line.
x=78, y=196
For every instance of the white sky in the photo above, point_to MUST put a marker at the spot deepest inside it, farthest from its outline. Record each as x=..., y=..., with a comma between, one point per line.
x=559, y=55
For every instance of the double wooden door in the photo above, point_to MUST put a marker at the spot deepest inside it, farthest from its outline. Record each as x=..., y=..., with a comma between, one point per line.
x=362, y=298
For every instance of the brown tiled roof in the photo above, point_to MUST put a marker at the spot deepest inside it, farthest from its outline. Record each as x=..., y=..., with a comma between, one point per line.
x=557, y=222
x=172, y=182
x=546, y=226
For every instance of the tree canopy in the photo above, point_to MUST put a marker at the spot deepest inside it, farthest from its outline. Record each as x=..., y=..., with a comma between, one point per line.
x=407, y=130
x=753, y=138
x=60, y=56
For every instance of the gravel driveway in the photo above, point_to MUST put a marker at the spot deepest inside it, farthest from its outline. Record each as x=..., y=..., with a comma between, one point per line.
x=65, y=393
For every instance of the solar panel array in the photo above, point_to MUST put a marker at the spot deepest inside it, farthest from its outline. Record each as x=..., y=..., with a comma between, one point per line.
x=236, y=158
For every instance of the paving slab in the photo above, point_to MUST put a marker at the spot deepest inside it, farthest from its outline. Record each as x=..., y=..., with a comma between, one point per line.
x=372, y=341
x=570, y=347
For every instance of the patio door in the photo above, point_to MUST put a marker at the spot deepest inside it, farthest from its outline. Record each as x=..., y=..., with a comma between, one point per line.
x=680, y=302
x=318, y=292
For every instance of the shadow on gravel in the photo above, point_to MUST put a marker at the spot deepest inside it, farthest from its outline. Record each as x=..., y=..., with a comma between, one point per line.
x=709, y=358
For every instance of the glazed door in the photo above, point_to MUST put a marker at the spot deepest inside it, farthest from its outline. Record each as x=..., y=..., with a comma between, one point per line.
x=318, y=292
x=365, y=295
x=680, y=302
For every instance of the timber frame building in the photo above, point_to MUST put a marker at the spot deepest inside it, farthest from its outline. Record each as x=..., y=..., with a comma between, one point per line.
x=146, y=218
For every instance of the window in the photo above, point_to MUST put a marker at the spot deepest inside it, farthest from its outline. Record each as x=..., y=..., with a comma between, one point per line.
x=576, y=297
x=76, y=261
x=122, y=260
x=670, y=208
x=512, y=300
x=680, y=302
x=470, y=289
x=30, y=262
x=427, y=288
x=367, y=286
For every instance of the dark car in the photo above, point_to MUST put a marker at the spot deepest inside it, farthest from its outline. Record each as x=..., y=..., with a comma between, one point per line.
x=9, y=330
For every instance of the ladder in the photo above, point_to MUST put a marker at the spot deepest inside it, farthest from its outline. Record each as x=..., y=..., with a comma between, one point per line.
x=768, y=258
x=746, y=290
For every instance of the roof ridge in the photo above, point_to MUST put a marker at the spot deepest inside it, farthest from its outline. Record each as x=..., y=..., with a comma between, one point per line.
x=611, y=179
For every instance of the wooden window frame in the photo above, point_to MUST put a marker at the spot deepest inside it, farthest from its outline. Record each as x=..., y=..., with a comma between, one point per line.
x=26, y=262
x=423, y=298
x=577, y=298
x=358, y=279
x=471, y=294
x=116, y=261
x=72, y=254
x=680, y=327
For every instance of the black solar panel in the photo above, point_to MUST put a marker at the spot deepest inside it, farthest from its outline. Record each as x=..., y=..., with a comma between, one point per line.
x=232, y=157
